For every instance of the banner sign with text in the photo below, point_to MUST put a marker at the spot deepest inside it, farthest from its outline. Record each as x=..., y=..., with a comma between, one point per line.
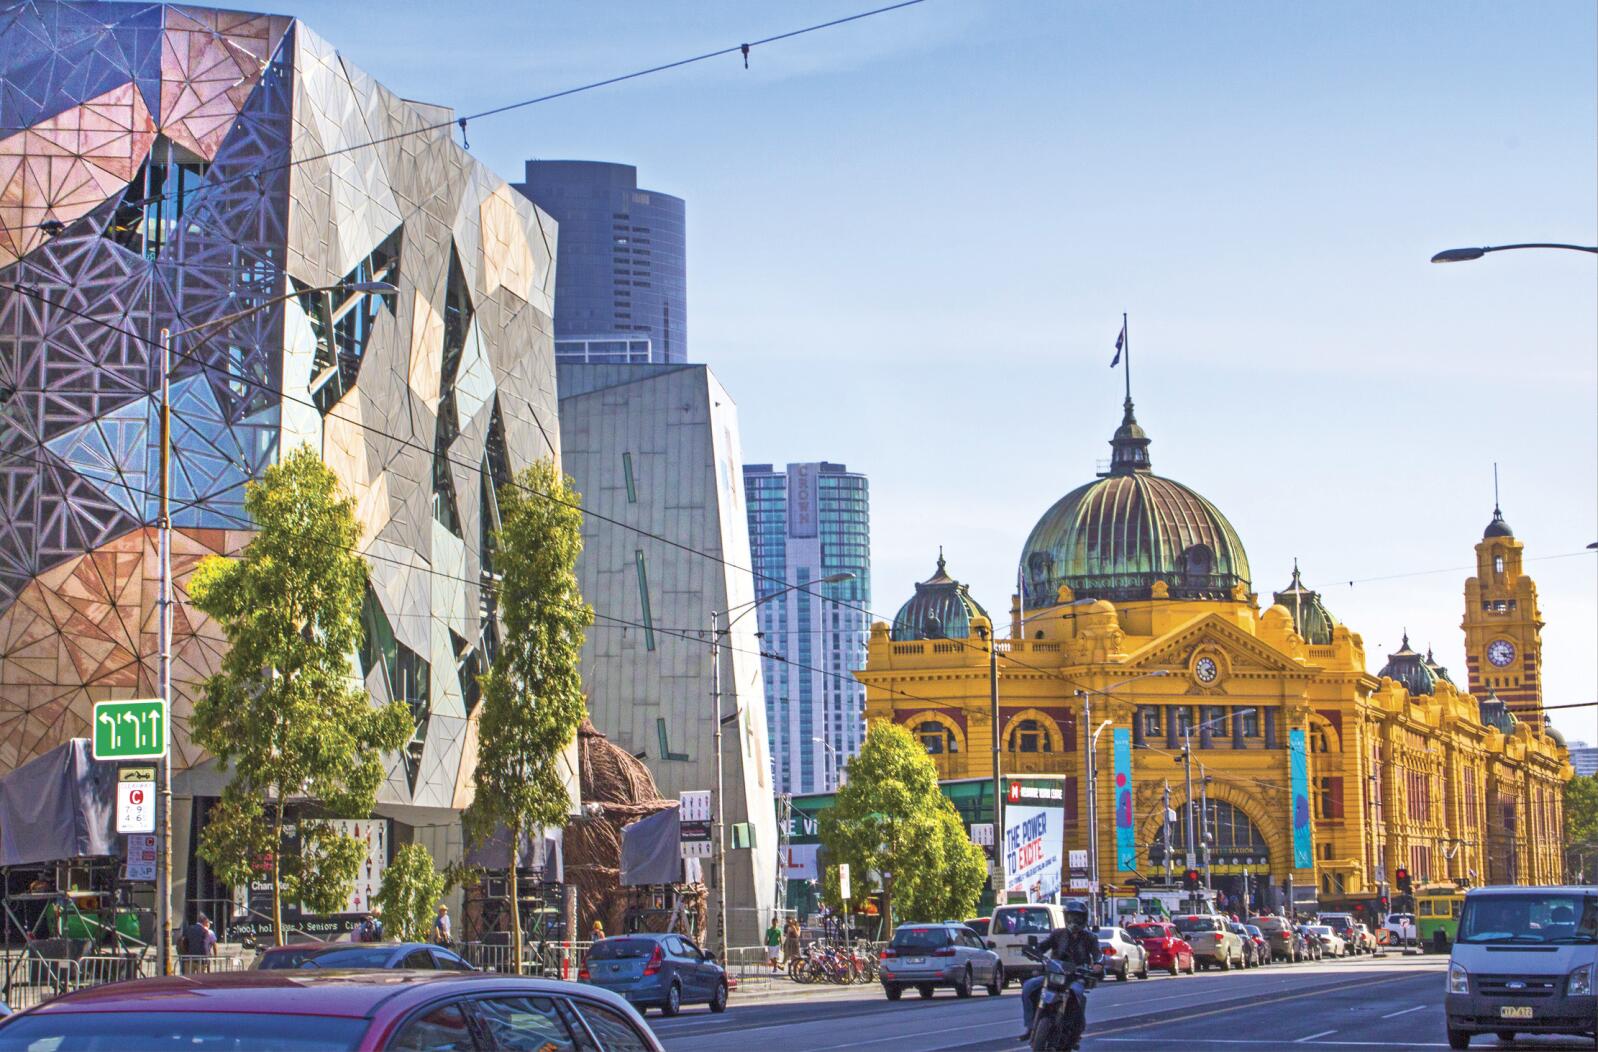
x=1125, y=833
x=1298, y=770
x=1032, y=850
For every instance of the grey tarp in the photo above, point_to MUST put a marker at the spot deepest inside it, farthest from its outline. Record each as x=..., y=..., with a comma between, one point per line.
x=59, y=806
x=494, y=853
x=649, y=850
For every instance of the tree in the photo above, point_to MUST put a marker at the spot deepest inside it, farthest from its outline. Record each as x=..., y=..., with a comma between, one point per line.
x=412, y=886
x=532, y=694
x=284, y=714
x=1581, y=822
x=890, y=820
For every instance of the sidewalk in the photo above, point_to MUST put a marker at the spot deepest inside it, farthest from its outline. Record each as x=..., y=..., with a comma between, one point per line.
x=763, y=989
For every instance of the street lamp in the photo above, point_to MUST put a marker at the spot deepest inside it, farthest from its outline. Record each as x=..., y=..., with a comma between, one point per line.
x=1092, y=743
x=1461, y=255
x=716, y=632
x=163, y=890
x=837, y=764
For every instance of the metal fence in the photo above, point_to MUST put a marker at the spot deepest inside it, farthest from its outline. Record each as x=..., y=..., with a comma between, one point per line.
x=26, y=979
x=557, y=960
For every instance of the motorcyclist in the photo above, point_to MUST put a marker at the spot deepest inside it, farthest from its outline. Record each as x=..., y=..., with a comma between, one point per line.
x=1077, y=945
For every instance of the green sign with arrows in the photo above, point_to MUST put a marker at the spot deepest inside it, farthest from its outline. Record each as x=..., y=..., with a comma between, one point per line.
x=130, y=730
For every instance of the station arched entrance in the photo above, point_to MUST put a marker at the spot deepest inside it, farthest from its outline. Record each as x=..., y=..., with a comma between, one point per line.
x=1239, y=856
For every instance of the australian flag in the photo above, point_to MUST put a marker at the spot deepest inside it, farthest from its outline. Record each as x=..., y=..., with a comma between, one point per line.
x=1120, y=343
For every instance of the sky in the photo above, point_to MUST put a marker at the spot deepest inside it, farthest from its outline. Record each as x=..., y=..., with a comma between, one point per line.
x=911, y=240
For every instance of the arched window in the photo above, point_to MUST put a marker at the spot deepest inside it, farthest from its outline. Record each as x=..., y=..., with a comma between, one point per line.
x=1198, y=561
x=1029, y=736
x=936, y=738
x=1234, y=832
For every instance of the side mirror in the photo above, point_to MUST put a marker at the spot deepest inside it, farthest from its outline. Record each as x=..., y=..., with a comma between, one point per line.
x=709, y=956
x=992, y=945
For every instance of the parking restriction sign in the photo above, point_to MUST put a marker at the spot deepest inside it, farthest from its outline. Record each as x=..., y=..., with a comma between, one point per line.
x=136, y=800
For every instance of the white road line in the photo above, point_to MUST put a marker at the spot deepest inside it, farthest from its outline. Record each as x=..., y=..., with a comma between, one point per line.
x=1404, y=1011
x=1266, y=1041
x=1312, y=1037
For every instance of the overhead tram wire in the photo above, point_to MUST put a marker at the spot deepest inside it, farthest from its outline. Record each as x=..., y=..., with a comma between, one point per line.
x=741, y=48
x=691, y=635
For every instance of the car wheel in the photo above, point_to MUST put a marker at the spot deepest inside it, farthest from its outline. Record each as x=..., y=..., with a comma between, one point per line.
x=925, y=990
x=1143, y=973
x=1224, y=964
x=1124, y=974
x=1192, y=967
x=1506, y=1036
x=962, y=988
x=673, y=1003
x=1458, y=1038
x=893, y=990
x=718, y=1000
x=1176, y=966
x=998, y=982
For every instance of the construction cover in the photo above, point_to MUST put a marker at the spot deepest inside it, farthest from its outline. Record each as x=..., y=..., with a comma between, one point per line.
x=649, y=850
x=61, y=805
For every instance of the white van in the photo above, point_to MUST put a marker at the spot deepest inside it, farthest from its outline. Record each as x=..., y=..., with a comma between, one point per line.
x=1014, y=928
x=1524, y=962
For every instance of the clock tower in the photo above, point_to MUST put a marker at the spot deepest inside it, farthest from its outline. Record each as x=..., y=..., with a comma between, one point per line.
x=1503, y=627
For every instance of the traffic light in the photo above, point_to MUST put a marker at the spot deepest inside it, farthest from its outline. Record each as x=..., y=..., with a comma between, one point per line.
x=1190, y=880
x=1386, y=903
x=1401, y=879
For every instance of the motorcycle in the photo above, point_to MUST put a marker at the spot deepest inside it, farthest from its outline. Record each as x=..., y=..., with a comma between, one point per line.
x=1062, y=1003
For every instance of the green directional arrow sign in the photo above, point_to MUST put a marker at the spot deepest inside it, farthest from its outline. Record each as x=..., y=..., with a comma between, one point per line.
x=130, y=730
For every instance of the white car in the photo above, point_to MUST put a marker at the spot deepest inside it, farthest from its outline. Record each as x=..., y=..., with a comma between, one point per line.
x=1124, y=956
x=1400, y=928
x=1331, y=942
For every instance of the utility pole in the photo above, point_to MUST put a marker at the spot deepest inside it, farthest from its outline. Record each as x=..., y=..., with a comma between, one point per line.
x=1187, y=807
x=1091, y=740
x=721, y=805
x=1000, y=877
x=1204, y=823
x=163, y=767
x=1165, y=829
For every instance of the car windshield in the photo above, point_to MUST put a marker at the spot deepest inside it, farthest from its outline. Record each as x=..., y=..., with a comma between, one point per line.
x=1271, y=923
x=1022, y=922
x=1106, y=933
x=920, y=938
x=978, y=926
x=1554, y=917
x=621, y=949
x=352, y=957
x=1187, y=924
x=1147, y=931
x=189, y=1031
x=1254, y=931
x=286, y=958
x=1319, y=929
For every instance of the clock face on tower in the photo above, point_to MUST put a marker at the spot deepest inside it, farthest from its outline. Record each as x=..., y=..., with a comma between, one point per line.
x=1500, y=652
x=1205, y=670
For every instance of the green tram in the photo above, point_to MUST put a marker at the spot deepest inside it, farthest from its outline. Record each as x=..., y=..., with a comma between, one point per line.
x=1437, y=916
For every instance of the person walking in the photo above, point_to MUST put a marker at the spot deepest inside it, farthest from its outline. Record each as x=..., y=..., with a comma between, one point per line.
x=370, y=929
x=773, y=943
x=597, y=932
x=790, y=941
x=441, y=927
x=198, y=944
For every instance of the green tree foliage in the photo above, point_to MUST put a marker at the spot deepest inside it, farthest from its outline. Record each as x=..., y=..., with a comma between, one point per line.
x=1581, y=825
x=532, y=695
x=285, y=715
x=891, y=820
x=412, y=886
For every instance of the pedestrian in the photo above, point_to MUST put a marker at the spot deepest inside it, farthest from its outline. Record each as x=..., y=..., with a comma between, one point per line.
x=773, y=943
x=597, y=932
x=199, y=942
x=441, y=926
x=370, y=929
x=790, y=941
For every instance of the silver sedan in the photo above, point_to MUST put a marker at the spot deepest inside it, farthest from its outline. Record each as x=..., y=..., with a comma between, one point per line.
x=1124, y=956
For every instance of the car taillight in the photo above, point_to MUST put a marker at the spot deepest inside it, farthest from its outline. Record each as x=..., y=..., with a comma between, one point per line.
x=582, y=972
x=1109, y=951
x=653, y=965
x=887, y=952
x=947, y=951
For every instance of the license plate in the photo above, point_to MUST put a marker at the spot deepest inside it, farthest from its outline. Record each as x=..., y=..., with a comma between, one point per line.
x=918, y=960
x=1514, y=1012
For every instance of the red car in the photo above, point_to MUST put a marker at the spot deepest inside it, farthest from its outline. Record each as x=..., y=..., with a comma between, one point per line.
x=299, y=1011
x=1166, y=947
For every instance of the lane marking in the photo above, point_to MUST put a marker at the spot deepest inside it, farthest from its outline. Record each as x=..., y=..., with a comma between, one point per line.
x=1404, y=1011
x=1331, y=988
x=1312, y=1037
x=1229, y=1041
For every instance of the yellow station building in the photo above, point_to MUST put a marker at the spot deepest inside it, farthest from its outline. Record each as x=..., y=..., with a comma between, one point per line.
x=1137, y=603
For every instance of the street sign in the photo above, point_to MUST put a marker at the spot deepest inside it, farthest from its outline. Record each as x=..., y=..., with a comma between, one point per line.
x=1077, y=859
x=141, y=857
x=130, y=730
x=982, y=834
x=843, y=881
x=136, y=800
x=693, y=824
x=694, y=806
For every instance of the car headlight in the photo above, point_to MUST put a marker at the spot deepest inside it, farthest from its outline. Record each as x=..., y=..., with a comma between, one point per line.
x=1459, y=980
x=1581, y=982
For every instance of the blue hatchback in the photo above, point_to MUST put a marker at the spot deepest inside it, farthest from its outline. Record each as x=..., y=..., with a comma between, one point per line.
x=652, y=970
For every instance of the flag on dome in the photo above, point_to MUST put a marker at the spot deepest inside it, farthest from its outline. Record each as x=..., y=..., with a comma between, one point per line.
x=1120, y=341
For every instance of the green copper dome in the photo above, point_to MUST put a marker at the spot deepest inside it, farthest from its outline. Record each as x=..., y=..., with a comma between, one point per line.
x=1116, y=537
x=940, y=609
x=1410, y=669
x=1311, y=619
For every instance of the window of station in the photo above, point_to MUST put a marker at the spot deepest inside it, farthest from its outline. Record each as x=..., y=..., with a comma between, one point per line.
x=936, y=738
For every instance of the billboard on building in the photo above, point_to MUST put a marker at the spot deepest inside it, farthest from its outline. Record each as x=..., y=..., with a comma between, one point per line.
x=1034, y=837
x=803, y=519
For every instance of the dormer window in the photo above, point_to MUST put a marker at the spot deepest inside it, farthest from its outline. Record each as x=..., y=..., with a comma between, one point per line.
x=1498, y=563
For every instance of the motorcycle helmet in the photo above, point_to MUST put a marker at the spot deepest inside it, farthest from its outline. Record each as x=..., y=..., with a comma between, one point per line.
x=1076, y=913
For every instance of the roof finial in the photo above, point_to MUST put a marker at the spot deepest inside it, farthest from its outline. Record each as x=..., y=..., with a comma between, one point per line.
x=1296, y=580
x=940, y=559
x=1405, y=644
x=1497, y=513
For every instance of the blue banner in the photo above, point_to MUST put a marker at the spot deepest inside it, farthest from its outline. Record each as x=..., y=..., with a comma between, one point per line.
x=1298, y=766
x=1125, y=833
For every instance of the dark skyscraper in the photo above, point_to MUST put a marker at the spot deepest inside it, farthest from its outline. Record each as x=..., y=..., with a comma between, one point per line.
x=621, y=286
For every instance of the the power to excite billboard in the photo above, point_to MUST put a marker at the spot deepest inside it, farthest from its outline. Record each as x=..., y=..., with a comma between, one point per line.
x=1033, y=830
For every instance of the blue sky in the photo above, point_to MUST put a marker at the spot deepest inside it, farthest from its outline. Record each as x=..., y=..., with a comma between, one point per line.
x=911, y=240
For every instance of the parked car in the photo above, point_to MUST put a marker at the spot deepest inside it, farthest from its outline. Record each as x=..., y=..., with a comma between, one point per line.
x=1524, y=960
x=1214, y=944
x=655, y=970
x=979, y=926
x=1124, y=956
x=1332, y=944
x=927, y=956
x=1015, y=928
x=361, y=955
x=1260, y=950
x=1165, y=946
x=307, y=1010
x=1343, y=925
x=1367, y=941
x=1284, y=942
x=1400, y=928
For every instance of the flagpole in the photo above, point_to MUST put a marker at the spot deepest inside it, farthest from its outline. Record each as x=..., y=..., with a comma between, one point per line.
x=1127, y=350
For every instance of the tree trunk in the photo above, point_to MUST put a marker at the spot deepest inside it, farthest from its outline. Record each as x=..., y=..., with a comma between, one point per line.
x=887, y=905
x=277, y=885
x=515, y=895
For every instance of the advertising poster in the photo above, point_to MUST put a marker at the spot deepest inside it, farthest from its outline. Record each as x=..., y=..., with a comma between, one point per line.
x=1032, y=850
x=1303, y=850
x=1125, y=833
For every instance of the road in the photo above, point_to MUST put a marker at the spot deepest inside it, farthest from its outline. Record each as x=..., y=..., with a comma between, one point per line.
x=1362, y=1003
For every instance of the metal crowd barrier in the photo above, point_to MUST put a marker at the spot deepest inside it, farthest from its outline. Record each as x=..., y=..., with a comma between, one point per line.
x=556, y=960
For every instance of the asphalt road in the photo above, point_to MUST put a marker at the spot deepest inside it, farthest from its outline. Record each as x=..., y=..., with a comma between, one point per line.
x=1391, y=1003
